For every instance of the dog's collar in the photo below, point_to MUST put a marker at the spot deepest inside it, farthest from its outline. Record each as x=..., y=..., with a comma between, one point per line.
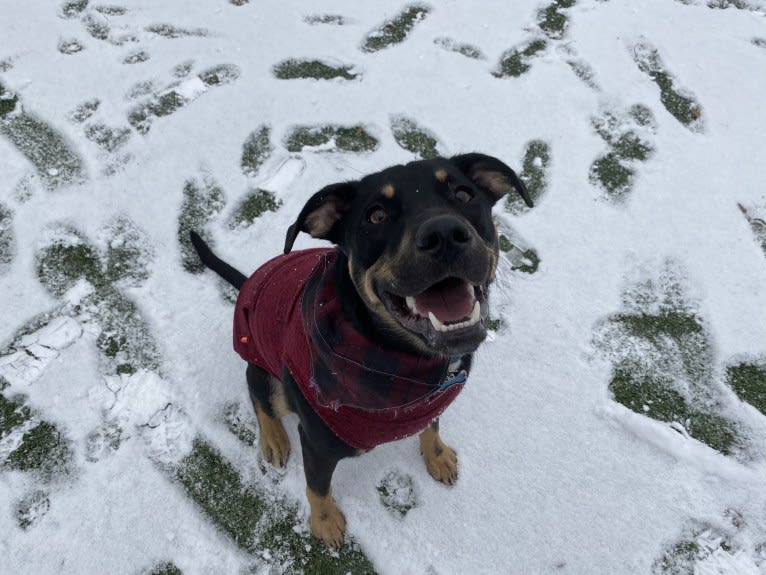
x=456, y=374
x=350, y=369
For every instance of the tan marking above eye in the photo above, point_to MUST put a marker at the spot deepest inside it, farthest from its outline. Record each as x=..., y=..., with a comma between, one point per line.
x=388, y=191
x=441, y=175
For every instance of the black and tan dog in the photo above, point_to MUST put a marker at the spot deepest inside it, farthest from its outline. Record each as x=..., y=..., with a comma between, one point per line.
x=370, y=340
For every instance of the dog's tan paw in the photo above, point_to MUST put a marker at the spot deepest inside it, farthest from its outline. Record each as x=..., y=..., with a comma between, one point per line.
x=327, y=522
x=275, y=445
x=440, y=458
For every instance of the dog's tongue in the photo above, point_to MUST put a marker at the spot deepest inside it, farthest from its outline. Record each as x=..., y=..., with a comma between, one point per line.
x=450, y=300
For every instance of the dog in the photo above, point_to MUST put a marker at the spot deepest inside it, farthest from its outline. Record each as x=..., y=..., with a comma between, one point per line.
x=370, y=340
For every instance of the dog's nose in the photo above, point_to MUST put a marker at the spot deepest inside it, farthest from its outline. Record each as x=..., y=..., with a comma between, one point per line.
x=443, y=237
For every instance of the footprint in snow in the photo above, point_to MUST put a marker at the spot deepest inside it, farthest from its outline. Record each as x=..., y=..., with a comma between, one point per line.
x=534, y=174
x=679, y=102
x=467, y=50
x=179, y=94
x=395, y=30
x=121, y=258
x=553, y=22
x=628, y=136
x=331, y=138
x=7, y=242
x=397, y=493
x=414, y=138
x=294, y=69
x=47, y=150
x=664, y=366
x=726, y=547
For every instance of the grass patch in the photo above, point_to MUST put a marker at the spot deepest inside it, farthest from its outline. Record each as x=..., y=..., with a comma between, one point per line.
x=681, y=105
x=107, y=138
x=245, y=431
x=260, y=525
x=697, y=544
x=312, y=69
x=136, y=57
x=413, y=138
x=166, y=568
x=13, y=413
x=663, y=363
x=66, y=260
x=748, y=380
x=96, y=27
x=166, y=103
x=30, y=509
x=201, y=202
x=56, y=164
x=516, y=61
x=219, y=75
x=537, y=158
x=625, y=135
x=256, y=149
x=125, y=338
x=467, y=50
x=170, y=31
x=334, y=19
x=111, y=10
x=253, y=205
x=85, y=110
x=612, y=175
x=552, y=20
x=395, y=31
x=341, y=138
x=524, y=260
x=73, y=8
x=654, y=397
x=6, y=237
x=127, y=254
x=43, y=450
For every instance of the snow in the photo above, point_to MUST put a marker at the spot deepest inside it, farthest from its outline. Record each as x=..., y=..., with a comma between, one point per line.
x=555, y=475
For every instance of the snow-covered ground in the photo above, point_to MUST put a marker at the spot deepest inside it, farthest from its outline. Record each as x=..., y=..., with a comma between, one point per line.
x=615, y=421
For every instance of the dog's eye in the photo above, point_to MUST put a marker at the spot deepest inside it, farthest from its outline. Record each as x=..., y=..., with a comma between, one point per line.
x=463, y=194
x=377, y=215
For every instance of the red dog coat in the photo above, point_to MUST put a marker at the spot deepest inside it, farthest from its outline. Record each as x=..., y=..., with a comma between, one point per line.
x=288, y=314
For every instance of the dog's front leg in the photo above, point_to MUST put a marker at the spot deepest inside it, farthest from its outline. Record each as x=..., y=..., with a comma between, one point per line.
x=327, y=522
x=440, y=458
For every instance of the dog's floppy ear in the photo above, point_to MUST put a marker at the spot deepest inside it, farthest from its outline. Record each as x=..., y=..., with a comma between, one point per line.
x=492, y=175
x=321, y=214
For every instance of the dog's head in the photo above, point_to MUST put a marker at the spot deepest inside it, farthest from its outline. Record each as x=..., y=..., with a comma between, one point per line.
x=420, y=243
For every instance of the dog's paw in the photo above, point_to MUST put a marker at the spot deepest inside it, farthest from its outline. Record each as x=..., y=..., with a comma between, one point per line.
x=275, y=445
x=327, y=522
x=440, y=458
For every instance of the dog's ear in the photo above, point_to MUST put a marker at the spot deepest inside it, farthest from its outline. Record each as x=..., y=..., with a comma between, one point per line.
x=492, y=175
x=321, y=214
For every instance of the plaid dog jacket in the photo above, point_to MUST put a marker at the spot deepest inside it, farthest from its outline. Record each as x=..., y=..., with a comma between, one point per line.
x=287, y=314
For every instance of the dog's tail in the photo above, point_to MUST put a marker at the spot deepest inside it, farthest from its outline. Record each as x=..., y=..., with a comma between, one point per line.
x=231, y=275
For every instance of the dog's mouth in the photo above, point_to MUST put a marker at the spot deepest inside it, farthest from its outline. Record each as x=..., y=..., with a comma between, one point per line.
x=452, y=309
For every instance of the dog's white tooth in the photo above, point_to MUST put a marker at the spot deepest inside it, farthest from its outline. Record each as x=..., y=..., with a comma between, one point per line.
x=438, y=326
x=411, y=304
x=476, y=314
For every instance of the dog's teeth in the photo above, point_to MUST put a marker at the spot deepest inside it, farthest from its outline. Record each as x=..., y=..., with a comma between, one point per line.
x=411, y=304
x=476, y=314
x=473, y=320
x=438, y=326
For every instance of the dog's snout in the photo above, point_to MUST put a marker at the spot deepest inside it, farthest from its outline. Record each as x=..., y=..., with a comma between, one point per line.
x=444, y=236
